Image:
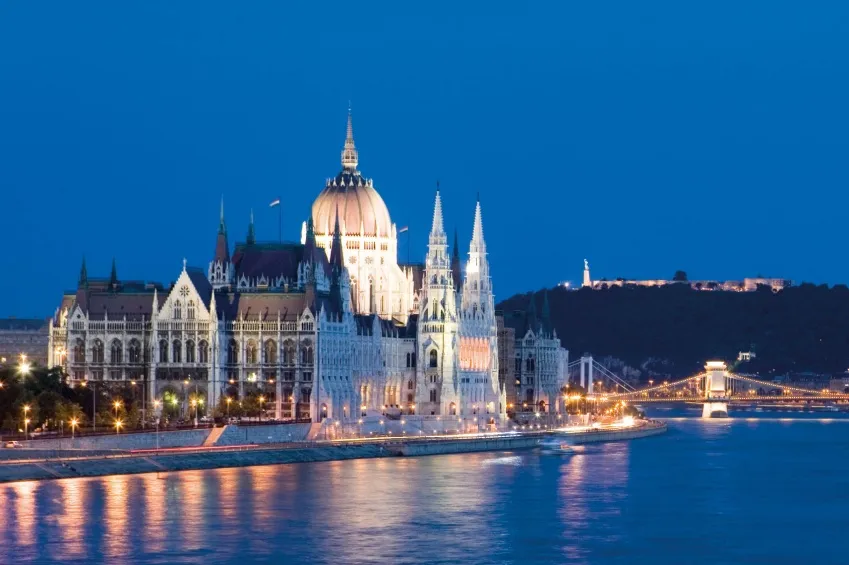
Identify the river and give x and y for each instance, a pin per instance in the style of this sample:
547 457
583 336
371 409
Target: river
760 491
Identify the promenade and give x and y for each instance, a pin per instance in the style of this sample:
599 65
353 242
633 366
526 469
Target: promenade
41 464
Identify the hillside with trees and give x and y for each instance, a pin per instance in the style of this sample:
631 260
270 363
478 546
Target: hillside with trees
672 330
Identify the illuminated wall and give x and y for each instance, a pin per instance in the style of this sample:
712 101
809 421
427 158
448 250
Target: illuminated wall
474 354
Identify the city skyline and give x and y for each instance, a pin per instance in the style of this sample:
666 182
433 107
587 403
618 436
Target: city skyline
645 148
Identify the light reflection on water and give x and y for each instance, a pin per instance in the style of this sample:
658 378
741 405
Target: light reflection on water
651 501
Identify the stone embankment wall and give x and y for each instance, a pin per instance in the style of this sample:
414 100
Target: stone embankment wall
86 464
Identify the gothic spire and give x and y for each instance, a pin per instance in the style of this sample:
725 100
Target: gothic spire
456 270
222 227
336 246
350 158
83 282
113 277
437 227
477 230
251 236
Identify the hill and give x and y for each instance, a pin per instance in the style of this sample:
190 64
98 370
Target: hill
674 329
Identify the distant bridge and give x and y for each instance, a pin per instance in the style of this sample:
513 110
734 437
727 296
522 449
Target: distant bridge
716 386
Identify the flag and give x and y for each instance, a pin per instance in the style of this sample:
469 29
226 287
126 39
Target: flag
275 203
405 228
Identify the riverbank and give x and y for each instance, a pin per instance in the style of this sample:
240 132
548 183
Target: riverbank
80 463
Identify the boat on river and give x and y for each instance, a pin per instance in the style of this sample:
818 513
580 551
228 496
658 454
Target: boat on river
554 446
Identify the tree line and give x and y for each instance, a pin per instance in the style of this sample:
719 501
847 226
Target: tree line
672 330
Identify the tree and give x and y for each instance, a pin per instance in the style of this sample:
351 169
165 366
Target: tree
680 276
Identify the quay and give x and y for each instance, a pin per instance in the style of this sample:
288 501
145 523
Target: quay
41 464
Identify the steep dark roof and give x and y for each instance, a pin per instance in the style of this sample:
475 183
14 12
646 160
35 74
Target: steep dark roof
273 260
134 305
266 305
201 284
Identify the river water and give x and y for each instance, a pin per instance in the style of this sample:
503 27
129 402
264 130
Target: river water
763 491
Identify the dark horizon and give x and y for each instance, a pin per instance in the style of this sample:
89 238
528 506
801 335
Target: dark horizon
646 139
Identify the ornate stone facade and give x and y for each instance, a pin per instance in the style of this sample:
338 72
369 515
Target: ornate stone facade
331 327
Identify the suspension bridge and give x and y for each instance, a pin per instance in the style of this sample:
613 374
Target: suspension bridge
715 388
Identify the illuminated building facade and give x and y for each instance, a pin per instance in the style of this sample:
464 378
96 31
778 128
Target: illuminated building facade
330 327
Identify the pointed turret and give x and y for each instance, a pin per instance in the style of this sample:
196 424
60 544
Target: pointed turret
309 242
456 269
477 232
222 248
350 158
336 261
222 227
113 277
437 228
251 239
83 282
337 269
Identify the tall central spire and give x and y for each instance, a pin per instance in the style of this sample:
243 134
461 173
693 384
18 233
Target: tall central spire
437 227
350 158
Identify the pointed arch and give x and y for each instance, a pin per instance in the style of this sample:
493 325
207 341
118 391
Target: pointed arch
116 352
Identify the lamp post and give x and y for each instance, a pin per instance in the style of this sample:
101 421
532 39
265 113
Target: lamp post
117 405
118 425
194 404
156 405
73 423
261 401
26 420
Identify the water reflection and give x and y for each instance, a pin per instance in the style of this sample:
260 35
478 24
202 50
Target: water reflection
647 501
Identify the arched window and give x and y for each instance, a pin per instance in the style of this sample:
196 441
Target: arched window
178 310
79 351
250 353
176 352
134 351
190 351
433 358
270 351
190 312
97 352
288 352
411 385
116 353
529 363
203 352
232 352
306 353
163 351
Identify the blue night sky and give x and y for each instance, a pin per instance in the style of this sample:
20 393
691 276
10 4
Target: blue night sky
645 136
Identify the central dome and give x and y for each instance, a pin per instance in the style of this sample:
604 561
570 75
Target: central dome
362 211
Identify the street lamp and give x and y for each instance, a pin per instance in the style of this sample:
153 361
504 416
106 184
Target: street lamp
73 423
118 425
156 406
228 401
261 401
117 405
194 404
26 409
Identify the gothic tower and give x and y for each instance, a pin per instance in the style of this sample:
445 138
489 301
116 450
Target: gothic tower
220 270
478 361
437 386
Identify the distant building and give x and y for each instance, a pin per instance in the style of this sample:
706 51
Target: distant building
745 285
506 354
23 336
540 364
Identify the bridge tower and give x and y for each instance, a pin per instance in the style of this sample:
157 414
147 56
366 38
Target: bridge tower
716 390
587 373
